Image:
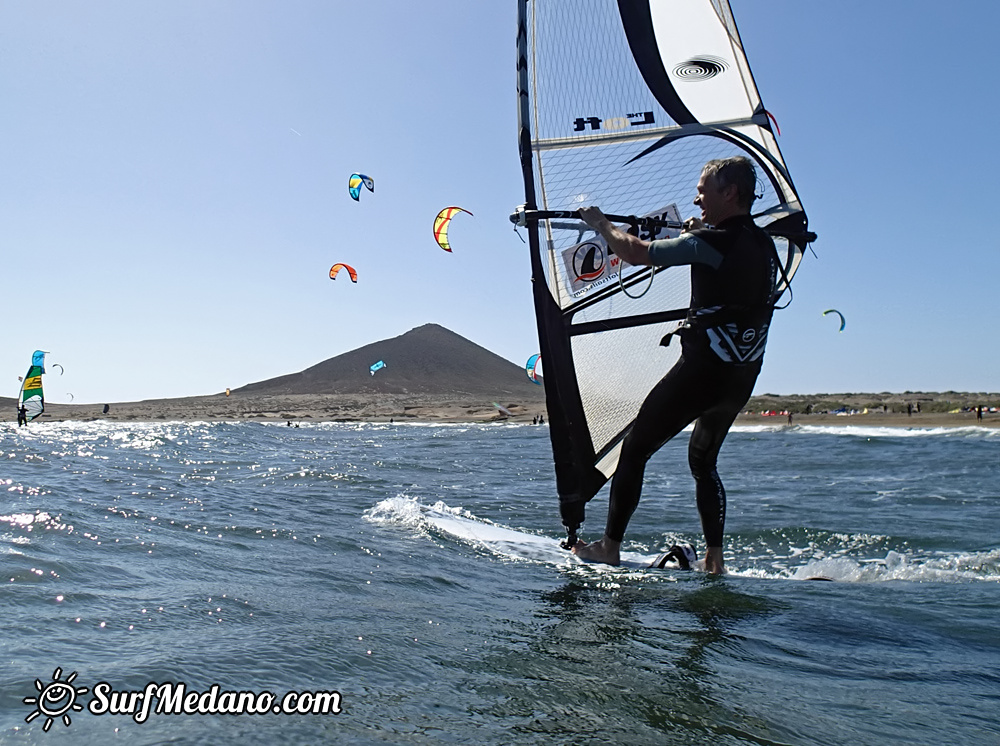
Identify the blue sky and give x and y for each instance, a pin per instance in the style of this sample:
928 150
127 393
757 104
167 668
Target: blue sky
173 188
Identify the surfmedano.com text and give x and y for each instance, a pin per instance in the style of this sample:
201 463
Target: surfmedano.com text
175 699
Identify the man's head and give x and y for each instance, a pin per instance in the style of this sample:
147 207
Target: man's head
726 188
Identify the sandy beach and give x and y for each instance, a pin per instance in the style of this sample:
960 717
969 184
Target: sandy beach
473 408
297 407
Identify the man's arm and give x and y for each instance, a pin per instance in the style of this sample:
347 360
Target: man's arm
685 249
667 252
630 248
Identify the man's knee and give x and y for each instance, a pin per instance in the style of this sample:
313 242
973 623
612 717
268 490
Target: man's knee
702 464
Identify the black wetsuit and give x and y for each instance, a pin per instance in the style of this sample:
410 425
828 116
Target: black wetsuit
734 269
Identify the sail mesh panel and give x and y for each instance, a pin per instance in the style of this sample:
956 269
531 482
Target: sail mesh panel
618 369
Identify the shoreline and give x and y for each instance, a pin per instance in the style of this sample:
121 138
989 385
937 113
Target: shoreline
430 410
925 420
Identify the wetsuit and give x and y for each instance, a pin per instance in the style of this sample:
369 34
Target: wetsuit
734 270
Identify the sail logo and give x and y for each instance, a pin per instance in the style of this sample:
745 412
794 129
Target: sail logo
697 69
589 265
613 123
588 262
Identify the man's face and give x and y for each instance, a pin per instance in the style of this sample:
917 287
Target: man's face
715 203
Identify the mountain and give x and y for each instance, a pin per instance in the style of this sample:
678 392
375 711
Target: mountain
428 360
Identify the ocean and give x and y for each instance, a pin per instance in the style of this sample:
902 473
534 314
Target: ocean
222 570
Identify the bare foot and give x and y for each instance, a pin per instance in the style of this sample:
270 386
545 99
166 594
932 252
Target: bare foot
713 561
604 551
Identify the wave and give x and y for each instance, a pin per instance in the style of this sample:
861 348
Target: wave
873 431
786 554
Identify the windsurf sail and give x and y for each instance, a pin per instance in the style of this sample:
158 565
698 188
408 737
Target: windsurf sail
503 410
32 397
621 105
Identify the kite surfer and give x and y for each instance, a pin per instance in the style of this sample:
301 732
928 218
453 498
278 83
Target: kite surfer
734 274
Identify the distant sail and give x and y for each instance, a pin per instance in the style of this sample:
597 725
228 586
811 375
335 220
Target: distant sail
355 182
621 106
335 269
532 368
441 223
843 321
31 397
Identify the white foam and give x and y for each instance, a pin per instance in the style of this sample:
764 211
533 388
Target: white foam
871 431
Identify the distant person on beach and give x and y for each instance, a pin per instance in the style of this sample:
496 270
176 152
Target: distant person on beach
734 273
909 409
979 413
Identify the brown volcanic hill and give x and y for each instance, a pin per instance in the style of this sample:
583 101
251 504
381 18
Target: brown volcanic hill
429 360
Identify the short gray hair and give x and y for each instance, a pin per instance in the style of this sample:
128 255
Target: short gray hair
738 171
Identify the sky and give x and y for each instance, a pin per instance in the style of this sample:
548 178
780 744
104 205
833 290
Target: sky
173 188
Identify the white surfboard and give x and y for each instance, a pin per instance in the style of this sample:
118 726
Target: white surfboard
513 544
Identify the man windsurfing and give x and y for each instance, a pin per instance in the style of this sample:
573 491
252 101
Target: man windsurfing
734 273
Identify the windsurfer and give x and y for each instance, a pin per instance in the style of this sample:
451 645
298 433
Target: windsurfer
22 416
734 269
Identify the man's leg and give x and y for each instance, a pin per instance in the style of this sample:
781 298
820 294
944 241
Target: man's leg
710 431
671 405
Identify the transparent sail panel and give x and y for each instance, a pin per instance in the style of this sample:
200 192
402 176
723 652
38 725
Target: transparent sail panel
621 367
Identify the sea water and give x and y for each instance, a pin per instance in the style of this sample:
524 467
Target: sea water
265 559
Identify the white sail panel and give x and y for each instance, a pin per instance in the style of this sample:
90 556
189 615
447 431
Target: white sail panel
621 105
704 60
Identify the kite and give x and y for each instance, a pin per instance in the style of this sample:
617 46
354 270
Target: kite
377 366
31 397
355 182
843 322
350 270
534 369
441 223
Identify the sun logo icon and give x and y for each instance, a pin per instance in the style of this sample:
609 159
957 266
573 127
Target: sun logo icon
55 699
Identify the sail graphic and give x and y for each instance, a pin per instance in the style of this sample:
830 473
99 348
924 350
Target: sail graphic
32 398
621 105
